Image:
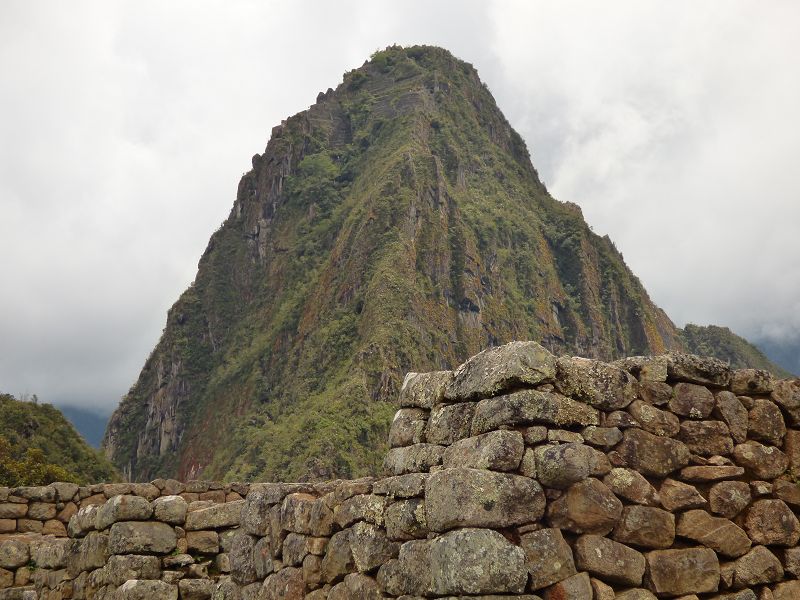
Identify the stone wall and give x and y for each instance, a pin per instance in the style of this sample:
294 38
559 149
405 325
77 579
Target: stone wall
518 475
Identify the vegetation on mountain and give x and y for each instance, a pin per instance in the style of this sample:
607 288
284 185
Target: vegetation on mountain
39 446
396 225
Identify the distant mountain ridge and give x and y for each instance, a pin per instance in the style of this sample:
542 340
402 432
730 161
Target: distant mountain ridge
396 225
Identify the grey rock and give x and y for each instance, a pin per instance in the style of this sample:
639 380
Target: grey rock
609 560
121 568
122 508
548 557
170 509
599 384
418 458
602 437
196 589
242 557
406 520
423 390
144 589
13 553
133 537
496 450
562 465
408 427
401 486
697 369
477 498
450 422
215 517
370 546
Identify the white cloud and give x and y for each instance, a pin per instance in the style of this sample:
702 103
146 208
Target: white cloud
126 127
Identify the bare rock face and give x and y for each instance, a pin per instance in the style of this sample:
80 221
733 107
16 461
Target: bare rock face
599 384
682 571
632 486
651 454
646 527
478 498
496 450
499 369
476 561
562 465
757 567
530 407
765 422
693 401
762 462
587 507
548 557
609 560
772 523
721 535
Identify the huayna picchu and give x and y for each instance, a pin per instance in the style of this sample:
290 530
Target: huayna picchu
396 225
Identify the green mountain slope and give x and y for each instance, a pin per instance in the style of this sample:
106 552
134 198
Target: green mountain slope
27 426
395 225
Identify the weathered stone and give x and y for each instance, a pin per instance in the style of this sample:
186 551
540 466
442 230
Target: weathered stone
693 401
13 553
787 491
286 584
528 465
423 390
242 557
729 498
599 384
370 546
645 368
120 568
577 587
706 438
47 553
408 427
449 423
640 594
410 574
215 517
788 590
587 507
363 507
41 511
791 561
418 458
131 537
772 523
338 560
632 486
406 520
205 542
496 450
651 454
746 382
476 561
170 509
740 595
757 567
697 369
91 552
706 473
563 436
295 549
145 589
529 407
122 508
682 571
535 434
499 369
654 420
786 394
762 462
29 526
401 486
13 511
37 493
195 589
262 558
765 422
356 586
721 535
609 560
602 437
729 409
54 527
8 525
562 465
548 557
619 419
477 498
646 527
601 590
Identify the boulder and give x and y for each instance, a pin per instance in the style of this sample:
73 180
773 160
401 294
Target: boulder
478 498
424 390
693 401
170 509
215 517
587 507
646 527
765 422
772 523
757 567
496 450
562 465
141 537
748 382
122 508
651 454
548 557
449 423
706 438
609 560
596 383
761 462
682 571
698 369
499 369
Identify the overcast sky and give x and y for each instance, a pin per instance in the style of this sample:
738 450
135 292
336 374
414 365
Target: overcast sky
124 129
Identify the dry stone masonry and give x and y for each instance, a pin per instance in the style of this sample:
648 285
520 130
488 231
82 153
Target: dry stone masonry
518 475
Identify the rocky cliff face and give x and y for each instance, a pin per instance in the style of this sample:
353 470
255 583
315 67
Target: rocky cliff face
395 225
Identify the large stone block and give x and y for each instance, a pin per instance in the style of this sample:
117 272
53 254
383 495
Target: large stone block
406 520
243 557
134 537
370 546
170 509
499 369
122 508
424 390
698 369
418 458
765 422
682 571
632 486
476 561
215 517
13 553
729 498
757 567
786 394
449 423
121 568
654 420
609 560
530 407
577 587
706 438
730 409
548 557
408 427
651 454
599 384
587 507
760 461
693 401
145 589
772 523
496 450
646 527
477 498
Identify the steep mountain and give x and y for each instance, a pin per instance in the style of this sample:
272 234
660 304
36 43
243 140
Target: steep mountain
36 441
397 224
